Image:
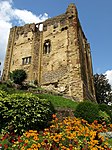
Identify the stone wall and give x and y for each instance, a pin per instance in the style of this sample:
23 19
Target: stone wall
57 57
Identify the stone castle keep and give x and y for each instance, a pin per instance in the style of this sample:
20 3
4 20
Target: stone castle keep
55 53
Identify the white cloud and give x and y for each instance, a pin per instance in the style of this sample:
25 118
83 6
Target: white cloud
109 76
8 15
6 11
4 32
25 16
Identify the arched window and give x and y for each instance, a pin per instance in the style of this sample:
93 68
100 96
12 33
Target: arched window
47 47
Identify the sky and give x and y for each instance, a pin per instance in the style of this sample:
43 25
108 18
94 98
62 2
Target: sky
95 17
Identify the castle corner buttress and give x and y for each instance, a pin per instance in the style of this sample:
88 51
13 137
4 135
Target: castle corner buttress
55 53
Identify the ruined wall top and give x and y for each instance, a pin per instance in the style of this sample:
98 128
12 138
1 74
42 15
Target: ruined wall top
71 12
71 9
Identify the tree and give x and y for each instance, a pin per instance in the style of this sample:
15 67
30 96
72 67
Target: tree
102 88
18 76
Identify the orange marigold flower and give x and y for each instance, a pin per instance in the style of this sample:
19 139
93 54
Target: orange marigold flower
35 138
43 143
26 141
23 148
54 115
95 122
31 131
38 145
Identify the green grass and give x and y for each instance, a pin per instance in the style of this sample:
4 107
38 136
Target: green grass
59 101
110 142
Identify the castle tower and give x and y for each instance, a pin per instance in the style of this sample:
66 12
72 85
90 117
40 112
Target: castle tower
55 53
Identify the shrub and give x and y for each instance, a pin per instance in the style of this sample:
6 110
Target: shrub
9 83
3 87
18 76
3 94
104 117
107 109
22 112
87 110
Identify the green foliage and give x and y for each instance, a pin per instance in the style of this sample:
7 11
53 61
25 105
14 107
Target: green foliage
59 101
104 117
8 89
105 108
18 76
3 87
87 110
21 112
9 84
110 141
102 88
2 94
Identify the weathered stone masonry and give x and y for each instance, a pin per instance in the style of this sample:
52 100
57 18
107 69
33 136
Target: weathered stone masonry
57 56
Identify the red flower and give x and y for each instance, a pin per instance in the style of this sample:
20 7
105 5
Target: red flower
12 141
95 122
76 142
5 136
5 145
19 140
25 144
71 147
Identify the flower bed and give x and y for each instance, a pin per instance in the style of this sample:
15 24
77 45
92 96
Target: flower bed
68 134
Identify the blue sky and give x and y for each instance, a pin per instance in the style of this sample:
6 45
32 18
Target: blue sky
95 17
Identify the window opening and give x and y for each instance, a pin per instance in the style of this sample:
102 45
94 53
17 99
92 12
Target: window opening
41 27
26 60
45 28
47 47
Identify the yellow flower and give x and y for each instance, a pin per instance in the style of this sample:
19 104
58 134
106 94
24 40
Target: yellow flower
60 144
69 130
31 131
35 138
63 147
57 137
70 145
106 143
26 141
34 146
94 148
43 143
38 145
52 126
63 139
23 148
